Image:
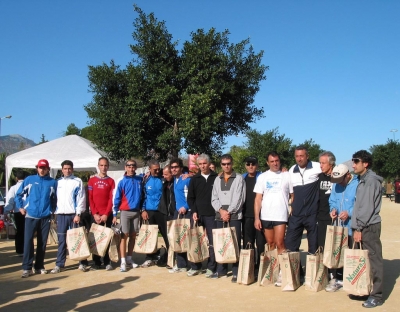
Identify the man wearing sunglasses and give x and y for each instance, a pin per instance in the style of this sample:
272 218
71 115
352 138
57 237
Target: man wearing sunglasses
366 222
127 198
250 233
228 196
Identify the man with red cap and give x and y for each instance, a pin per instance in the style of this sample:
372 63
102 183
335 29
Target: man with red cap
36 199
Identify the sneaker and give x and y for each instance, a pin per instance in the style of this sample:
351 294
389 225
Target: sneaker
26 273
168 267
122 268
175 269
147 263
132 265
372 303
333 286
278 283
109 267
41 271
192 272
56 270
209 273
234 279
216 275
83 268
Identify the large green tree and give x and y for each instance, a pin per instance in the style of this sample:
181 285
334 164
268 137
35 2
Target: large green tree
166 100
72 129
386 160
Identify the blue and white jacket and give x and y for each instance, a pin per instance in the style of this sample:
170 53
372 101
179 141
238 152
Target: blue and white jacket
38 196
128 191
71 196
153 188
181 188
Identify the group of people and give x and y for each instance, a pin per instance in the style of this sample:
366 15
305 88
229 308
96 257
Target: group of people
265 209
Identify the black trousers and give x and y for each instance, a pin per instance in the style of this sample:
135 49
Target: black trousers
295 229
19 235
251 235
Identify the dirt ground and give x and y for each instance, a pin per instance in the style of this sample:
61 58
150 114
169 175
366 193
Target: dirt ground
154 289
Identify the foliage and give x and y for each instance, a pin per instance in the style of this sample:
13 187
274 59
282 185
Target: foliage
386 160
43 139
88 133
72 129
166 100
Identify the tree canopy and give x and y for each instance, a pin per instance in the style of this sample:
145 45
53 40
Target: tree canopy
386 160
167 100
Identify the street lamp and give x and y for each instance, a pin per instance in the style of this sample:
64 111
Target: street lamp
394 133
1 118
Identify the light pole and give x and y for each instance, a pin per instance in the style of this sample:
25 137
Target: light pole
1 118
394 133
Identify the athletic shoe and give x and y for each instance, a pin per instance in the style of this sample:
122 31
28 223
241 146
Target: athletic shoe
109 267
56 270
192 272
216 275
168 267
147 263
278 283
41 271
122 268
234 279
132 265
209 273
26 273
333 286
83 268
372 303
175 269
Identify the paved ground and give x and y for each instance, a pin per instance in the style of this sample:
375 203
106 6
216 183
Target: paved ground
154 289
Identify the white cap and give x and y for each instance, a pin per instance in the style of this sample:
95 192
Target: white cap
338 173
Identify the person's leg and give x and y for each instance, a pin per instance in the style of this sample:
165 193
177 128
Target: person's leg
30 229
96 258
19 235
63 224
260 242
279 237
270 237
310 223
294 233
322 225
222 268
210 224
152 220
106 258
134 228
237 224
42 234
249 232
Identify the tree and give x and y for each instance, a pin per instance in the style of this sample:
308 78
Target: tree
166 100
72 129
43 139
88 133
386 161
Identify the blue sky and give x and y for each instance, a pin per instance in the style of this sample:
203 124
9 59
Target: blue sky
334 65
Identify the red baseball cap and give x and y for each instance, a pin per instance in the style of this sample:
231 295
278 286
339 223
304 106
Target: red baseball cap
43 163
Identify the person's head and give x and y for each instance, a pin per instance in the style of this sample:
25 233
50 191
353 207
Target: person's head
203 161
226 163
167 174
341 175
43 167
176 166
20 175
103 164
67 168
274 161
301 156
251 164
130 167
154 167
362 161
213 167
327 162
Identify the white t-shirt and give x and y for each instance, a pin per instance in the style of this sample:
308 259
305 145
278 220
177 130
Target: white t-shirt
276 188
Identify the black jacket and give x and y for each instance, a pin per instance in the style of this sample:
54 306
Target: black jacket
199 194
167 201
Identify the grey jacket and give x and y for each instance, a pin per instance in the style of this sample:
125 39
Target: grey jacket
229 196
368 201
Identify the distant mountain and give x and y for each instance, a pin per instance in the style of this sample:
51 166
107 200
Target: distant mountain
14 143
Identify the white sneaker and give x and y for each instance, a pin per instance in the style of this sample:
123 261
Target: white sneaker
109 267
333 286
122 268
175 269
147 263
132 265
278 283
83 268
192 272
56 270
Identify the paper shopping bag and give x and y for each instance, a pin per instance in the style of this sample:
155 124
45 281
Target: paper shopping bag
290 268
198 245
268 271
357 278
146 241
226 246
336 241
246 266
77 244
178 234
316 277
99 239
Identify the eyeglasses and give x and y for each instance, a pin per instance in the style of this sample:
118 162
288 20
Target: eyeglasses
356 160
250 164
174 167
226 164
130 165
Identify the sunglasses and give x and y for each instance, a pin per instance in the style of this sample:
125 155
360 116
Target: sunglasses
250 164
356 160
226 164
174 167
130 165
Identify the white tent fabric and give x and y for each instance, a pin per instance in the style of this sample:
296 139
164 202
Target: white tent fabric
80 151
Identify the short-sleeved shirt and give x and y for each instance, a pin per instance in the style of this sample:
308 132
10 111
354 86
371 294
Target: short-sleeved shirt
276 188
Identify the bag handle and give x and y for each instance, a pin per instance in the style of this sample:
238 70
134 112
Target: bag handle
354 244
249 245
223 224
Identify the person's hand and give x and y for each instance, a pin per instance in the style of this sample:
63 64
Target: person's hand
77 219
195 217
344 215
145 215
97 218
182 210
22 211
103 219
284 169
257 224
357 236
333 214
225 216
114 220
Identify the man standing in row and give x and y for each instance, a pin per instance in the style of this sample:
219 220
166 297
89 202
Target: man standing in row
199 200
366 222
71 203
36 199
228 196
100 191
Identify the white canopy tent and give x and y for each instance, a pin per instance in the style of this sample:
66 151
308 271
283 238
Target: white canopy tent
80 151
